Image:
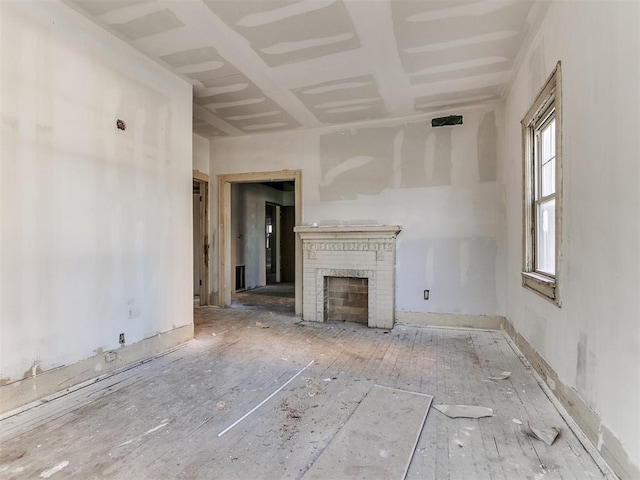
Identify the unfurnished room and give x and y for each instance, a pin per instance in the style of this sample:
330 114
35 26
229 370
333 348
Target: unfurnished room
320 239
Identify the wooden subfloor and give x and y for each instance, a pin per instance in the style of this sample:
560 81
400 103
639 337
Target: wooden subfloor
161 419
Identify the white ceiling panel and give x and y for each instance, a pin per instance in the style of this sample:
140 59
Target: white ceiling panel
263 66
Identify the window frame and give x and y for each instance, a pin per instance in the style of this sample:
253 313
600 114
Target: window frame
547 106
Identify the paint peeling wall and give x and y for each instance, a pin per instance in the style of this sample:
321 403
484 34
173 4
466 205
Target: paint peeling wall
593 341
440 184
95 222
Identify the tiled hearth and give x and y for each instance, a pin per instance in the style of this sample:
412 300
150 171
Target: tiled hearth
366 252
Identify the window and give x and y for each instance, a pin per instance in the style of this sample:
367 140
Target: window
542 135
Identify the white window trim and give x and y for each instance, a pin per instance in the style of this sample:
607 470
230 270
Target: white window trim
545 285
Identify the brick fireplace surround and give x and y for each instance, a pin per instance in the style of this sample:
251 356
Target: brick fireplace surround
353 251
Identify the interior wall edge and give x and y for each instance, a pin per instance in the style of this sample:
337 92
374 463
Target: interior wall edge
606 449
17 395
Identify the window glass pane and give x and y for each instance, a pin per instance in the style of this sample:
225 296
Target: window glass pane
548 180
546 237
548 142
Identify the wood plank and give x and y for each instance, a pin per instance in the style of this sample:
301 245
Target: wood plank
378 440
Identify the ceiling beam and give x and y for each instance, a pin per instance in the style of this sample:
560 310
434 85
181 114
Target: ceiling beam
205 115
374 25
211 30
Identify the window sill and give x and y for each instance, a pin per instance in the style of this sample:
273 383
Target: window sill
543 286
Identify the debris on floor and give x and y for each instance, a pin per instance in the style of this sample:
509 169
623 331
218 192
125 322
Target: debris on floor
214 381
266 399
502 376
261 325
547 435
48 473
464 411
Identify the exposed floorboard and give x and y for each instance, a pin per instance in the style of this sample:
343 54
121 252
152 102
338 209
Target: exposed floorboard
162 418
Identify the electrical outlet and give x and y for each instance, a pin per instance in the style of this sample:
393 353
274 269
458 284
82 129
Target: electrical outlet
426 294
121 339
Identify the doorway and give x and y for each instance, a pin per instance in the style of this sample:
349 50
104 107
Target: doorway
230 233
287 244
200 239
272 242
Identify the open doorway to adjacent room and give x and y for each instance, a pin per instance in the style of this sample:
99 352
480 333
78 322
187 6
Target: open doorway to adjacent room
200 239
259 253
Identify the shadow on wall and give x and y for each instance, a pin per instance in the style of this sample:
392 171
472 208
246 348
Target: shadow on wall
370 160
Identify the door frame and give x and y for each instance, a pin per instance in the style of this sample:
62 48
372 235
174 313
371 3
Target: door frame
224 230
203 264
276 238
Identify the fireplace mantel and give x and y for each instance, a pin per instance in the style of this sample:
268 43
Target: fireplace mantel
351 231
360 251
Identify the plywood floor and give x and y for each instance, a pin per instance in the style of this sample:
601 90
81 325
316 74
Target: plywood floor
161 419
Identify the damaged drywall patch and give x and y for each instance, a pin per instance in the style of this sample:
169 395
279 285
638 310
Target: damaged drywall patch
133 310
585 366
151 24
356 162
441 161
191 57
488 148
367 161
413 155
398 141
581 363
323 28
344 100
33 371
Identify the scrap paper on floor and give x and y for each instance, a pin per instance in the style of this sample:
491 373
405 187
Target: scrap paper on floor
547 435
502 376
464 411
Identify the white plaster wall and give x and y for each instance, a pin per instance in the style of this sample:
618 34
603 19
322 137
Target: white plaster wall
95 223
200 153
248 227
439 184
593 341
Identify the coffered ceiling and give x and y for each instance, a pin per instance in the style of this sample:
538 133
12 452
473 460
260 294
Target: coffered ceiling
263 66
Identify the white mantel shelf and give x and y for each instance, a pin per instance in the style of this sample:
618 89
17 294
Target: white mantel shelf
352 231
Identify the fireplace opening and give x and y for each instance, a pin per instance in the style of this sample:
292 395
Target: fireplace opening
346 299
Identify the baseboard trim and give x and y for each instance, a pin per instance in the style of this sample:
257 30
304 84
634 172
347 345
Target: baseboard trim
602 444
452 320
59 381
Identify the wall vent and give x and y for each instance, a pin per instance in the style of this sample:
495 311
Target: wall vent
447 121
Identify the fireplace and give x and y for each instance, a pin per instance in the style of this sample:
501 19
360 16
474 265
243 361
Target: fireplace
363 254
346 299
